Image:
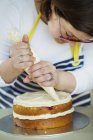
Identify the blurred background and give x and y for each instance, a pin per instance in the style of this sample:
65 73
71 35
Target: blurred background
92 97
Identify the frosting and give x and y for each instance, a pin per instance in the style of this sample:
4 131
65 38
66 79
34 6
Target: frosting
46 116
40 99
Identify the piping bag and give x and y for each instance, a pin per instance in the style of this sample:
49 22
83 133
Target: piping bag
49 90
15 38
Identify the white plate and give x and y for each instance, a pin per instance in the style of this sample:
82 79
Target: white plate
79 121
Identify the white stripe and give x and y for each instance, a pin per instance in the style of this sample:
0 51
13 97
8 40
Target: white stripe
25 86
6 94
10 104
16 88
3 107
67 63
81 102
16 93
80 95
69 69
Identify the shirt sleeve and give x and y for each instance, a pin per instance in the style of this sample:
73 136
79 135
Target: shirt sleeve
16 18
8 23
84 75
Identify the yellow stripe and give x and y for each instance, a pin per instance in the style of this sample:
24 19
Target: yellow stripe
31 33
75 54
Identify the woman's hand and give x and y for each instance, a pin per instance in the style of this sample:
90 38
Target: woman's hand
21 54
43 73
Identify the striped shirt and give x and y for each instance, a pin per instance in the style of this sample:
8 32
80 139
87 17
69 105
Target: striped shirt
21 20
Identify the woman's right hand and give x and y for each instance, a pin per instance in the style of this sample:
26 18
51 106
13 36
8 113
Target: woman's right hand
21 54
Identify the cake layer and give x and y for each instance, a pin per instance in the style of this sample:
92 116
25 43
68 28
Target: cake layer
40 99
45 116
32 111
44 123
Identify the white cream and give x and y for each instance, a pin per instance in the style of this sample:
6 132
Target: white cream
46 116
40 99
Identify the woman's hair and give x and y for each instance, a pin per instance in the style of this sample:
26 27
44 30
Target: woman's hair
79 13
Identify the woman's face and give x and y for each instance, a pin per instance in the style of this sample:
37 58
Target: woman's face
60 27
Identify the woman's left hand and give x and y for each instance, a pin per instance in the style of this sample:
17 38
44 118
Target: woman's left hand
43 73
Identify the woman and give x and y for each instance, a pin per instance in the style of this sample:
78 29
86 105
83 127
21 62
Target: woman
62 65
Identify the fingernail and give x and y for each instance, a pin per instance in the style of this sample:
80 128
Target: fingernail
26 80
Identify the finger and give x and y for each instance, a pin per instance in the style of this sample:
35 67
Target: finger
26 80
26 46
22 45
48 83
25 39
43 78
20 59
25 58
23 65
24 52
39 65
41 72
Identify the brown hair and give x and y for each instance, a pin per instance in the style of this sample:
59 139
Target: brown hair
79 13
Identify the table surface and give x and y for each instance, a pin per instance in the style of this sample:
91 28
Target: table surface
85 133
